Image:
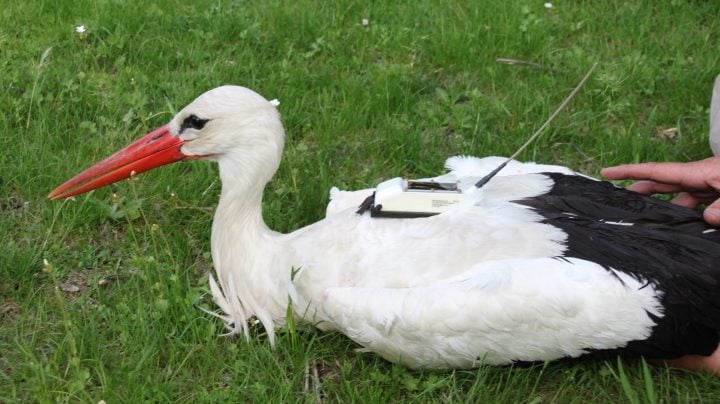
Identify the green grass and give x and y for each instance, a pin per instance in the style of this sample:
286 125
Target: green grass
360 104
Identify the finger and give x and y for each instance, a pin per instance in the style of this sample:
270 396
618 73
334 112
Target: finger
712 213
636 171
686 200
705 197
669 173
652 187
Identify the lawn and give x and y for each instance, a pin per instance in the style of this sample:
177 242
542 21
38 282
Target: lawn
100 295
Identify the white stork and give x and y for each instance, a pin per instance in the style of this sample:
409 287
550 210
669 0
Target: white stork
532 267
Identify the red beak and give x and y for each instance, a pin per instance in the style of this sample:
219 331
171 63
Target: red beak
155 149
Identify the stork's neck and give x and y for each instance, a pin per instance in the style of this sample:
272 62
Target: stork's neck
247 255
240 199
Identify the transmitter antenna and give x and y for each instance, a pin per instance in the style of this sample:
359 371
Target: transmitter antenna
484 180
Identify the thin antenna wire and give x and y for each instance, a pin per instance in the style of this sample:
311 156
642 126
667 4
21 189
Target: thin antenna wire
537 133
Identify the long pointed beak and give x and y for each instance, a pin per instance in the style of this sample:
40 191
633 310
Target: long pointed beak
155 149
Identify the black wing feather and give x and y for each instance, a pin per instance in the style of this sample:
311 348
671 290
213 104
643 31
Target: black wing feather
668 246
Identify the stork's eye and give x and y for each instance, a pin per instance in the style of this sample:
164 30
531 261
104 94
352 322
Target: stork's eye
193 122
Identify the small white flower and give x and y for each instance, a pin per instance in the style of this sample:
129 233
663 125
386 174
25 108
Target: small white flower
275 102
548 5
365 22
47 267
80 29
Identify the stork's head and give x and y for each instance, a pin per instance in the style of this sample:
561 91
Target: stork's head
232 125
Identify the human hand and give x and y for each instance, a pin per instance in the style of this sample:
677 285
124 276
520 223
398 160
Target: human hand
695 182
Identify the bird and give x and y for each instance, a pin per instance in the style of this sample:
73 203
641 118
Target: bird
540 264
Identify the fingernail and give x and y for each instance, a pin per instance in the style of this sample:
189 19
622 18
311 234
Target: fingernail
712 216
